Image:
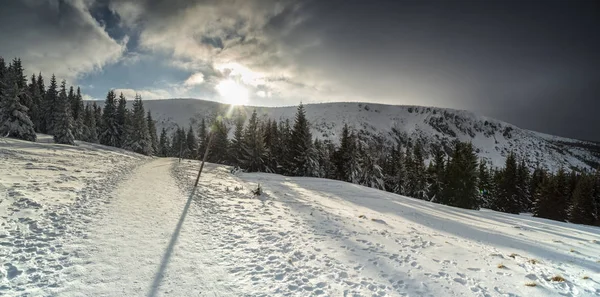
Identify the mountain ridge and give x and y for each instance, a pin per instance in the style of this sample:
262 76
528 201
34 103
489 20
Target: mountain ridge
406 124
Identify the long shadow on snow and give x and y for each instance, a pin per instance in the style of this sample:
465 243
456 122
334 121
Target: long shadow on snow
169 250
427 214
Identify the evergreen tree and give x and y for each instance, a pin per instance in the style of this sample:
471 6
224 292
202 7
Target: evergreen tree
62 119
50 105
523 187
583 209
371 173
89 125
271 139
342 155
551 200
36 101
110 128
163 144
191 144
300 144
139 141
460 185
177 142
98 115
253 154
237 149
507 198
152 131
39 121
220 143
202 138
417 181
436 174
122 122
535 183
284 151
78 114
14 121
485 184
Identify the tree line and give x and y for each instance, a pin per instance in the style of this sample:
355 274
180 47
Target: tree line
27 108
447 175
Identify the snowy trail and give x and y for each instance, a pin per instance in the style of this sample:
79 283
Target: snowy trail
149 243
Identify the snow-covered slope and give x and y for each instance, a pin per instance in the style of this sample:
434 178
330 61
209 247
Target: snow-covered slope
492 138
97 221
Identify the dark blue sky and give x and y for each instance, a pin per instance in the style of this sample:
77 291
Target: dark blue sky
531 63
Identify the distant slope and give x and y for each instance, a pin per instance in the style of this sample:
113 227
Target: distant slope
493 139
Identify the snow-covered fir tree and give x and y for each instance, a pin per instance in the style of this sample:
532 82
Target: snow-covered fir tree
139 140
122 121
163 144
50 105
254 153
14 121
191 147
152 131
63 121
109 134
89 125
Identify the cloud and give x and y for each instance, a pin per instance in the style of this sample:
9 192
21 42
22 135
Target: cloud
58 37
194 79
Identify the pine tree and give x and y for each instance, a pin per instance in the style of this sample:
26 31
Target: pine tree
551 200
36 102
62 119
253 154
220 143
109 134
583 209
50 105
177 142
271 139
460 182
237 149
89 125
507 197
139 141
39 121
523 187
535 183
300 144
191 144
485 184
122 122
436 174
202 140
342 156
14 121
418 179
371 173
98 115
163 144
152 131
78 114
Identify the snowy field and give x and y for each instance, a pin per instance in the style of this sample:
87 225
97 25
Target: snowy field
91 221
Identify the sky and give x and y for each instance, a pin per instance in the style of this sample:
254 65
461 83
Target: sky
535 64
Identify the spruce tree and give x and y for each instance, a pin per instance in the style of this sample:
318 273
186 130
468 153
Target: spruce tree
342 156
62 119
40 121
36 101
122 122
583 209
202 140
419 179
152 131
98 116
109 134
78 114
50 105
191 144
139 141
220 143
436 174
163 144
551 200
485 184
302 161
271 139
523 187
460 185
89 125
507 198
253 154
237 148
14 121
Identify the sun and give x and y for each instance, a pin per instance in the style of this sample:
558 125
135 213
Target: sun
232 92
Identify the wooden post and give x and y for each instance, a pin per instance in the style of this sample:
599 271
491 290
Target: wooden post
210 137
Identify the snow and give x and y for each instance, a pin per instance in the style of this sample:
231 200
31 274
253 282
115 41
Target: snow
132 226
414 122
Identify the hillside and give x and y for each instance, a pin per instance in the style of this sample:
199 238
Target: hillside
92 220
493 139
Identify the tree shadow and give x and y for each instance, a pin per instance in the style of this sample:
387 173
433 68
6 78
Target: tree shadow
158 277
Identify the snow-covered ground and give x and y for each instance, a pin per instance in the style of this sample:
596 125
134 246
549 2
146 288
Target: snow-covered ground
134 227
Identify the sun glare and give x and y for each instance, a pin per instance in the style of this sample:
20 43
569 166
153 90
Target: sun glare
232 92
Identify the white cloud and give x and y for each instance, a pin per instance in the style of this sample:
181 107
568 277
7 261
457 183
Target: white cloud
194 79
61 38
